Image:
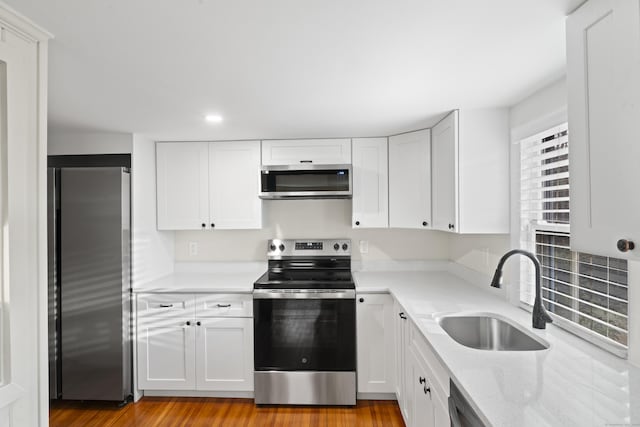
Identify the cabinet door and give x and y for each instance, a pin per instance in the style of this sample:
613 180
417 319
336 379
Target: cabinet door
419 400
224 354
316 151
603 75
444 173
376 357
370 183
166 358
401 341
234 182
410 180
182 171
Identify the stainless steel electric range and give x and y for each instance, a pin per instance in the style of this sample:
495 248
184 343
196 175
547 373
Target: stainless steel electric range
305 324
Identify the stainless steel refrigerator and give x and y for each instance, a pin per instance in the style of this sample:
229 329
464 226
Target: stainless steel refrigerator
89 283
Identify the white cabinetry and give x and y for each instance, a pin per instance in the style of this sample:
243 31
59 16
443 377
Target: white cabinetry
419 399
195 342
316 151
375 334
603 77
182 185
234 183
204 185
370 183
401 334
470 171
410 180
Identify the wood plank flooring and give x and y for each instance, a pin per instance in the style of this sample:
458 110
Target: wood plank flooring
210 412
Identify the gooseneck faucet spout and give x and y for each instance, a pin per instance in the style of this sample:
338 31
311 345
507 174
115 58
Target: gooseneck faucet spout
540 317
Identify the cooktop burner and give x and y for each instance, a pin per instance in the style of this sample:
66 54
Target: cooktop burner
308 264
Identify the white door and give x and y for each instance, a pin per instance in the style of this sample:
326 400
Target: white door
224 354
410 180
444 173
376 356
234 183
603 75
333 151
401 343
420 401
182 170
370 204
166 353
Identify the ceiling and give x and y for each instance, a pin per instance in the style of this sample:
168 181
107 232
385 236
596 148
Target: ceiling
291 68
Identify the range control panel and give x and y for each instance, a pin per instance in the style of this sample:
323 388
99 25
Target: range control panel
313 247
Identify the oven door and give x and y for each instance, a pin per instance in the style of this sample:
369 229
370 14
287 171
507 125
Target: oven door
305 181
304 330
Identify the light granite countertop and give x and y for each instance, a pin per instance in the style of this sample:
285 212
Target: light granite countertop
573 383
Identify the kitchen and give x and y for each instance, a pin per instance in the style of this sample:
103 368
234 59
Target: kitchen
436 241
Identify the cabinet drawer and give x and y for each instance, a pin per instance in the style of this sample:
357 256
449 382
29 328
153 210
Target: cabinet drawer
440 376
224 305
165 305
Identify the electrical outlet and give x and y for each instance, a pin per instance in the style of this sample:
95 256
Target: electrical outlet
193 248
364 246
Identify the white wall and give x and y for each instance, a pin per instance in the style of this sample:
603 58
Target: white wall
311 219
71 142
152 250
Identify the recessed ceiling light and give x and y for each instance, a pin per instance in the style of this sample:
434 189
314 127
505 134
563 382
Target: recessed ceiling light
213 118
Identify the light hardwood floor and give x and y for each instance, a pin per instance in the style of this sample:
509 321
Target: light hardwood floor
209 412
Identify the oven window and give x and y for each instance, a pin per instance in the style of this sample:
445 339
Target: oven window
313 180
304 335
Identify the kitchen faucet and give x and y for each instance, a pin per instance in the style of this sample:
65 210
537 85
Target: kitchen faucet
540 317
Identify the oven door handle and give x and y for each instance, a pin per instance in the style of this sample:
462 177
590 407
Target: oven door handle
304 294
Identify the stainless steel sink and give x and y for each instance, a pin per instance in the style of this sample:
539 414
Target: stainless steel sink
490 332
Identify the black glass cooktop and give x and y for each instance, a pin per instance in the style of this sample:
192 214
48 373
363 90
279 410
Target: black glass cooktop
306 274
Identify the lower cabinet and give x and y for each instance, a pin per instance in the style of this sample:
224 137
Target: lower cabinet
196 351
422 384
375 332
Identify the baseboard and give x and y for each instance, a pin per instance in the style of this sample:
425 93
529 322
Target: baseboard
199 393
376 396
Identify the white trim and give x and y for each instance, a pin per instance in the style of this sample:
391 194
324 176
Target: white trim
10 393
197 393
22 25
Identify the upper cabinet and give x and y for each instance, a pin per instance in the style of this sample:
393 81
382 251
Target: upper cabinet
204 185
182 173
299 151
370 208
410 180
603 77
234 182
470 171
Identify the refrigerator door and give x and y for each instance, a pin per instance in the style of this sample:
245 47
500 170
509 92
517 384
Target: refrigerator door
95 283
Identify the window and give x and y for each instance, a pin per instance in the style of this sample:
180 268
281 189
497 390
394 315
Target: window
586 293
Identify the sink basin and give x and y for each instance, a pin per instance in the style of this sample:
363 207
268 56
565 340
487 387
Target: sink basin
490 332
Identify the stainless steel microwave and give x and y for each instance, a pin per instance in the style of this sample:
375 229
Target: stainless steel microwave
306 181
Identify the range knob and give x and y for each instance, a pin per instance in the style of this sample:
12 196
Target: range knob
345 246
281 247
336 246
272 247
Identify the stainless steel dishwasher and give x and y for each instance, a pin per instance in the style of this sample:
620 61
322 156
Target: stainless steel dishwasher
461 413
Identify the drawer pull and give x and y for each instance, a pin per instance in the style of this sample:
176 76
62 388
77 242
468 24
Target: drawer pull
422 380
224 305
166 305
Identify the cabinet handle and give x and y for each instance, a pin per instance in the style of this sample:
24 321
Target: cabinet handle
188 323
425 223
213 225
166 305
204 225
306 161
198 323
451 226
361 300
357 222
427 390
224 305
422 380
625 245
402 316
